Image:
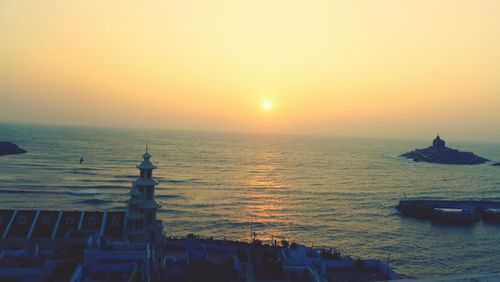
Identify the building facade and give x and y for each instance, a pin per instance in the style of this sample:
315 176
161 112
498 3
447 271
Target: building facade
142 224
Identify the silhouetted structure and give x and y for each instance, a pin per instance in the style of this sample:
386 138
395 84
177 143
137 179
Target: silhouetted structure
438 143
8 148
142 225
439 153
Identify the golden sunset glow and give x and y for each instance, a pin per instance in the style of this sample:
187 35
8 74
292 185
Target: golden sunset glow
267 105
364 68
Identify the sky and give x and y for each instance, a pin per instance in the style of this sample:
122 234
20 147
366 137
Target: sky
386 68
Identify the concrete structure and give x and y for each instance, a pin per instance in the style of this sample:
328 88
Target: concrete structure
142 225
116 261
105 273
303 262
46 225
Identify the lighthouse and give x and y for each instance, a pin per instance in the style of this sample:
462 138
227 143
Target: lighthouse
142 225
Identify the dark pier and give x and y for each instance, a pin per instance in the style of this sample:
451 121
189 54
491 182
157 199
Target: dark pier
430 208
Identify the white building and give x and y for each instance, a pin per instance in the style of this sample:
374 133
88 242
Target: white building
142 225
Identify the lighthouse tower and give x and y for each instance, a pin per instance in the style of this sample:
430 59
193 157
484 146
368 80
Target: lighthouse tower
142 225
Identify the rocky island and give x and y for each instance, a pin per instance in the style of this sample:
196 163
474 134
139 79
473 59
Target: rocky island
8 148
439 153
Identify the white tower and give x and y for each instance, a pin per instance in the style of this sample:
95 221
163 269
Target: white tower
142 225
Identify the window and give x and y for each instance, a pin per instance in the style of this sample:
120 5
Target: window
69 220
150 216
1 220
114 221
22 220
150 173
91 221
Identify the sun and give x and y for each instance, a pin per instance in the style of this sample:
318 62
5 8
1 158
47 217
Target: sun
267 104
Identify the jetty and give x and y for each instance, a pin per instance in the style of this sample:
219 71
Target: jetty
459 211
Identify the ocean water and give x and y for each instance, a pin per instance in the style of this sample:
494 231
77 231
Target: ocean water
320 191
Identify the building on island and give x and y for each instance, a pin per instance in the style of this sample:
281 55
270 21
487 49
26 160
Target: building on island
439 153
438 143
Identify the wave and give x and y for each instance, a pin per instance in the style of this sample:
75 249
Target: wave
86 169
175 180
170 211
78 192
11 191
83 172
94 202
126 176
96 180
128 180
113 181
158 178
167 196
201 206
83 193
106 187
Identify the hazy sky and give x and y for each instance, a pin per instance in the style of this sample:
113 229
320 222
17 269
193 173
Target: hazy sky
395 68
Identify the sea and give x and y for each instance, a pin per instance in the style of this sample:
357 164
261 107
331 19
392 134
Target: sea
318 191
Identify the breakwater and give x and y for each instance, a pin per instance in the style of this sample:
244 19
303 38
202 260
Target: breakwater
424 208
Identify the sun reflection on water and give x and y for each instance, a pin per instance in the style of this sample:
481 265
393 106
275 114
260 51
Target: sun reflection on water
266 199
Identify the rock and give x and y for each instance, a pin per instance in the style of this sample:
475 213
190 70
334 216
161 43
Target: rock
439 153
496 164
7 148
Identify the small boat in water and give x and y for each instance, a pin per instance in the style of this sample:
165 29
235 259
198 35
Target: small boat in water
454 215
492 215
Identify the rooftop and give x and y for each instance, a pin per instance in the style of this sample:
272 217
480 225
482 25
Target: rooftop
108 272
